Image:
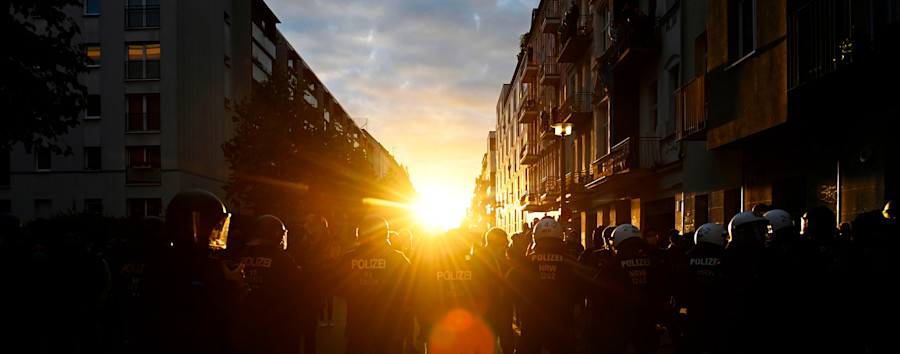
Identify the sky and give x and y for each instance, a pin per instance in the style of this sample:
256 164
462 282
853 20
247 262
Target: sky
422 76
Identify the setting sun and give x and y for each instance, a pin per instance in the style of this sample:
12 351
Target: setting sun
440 207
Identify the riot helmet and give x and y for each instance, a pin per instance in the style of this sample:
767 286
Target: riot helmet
818 221
624 232
779 219
749 228
270 231
372 229
711 233
548 228
496 237
197 218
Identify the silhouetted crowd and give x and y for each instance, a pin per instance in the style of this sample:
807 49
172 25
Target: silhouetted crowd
203 281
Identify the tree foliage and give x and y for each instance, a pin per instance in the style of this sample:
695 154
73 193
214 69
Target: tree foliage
42 96
286 161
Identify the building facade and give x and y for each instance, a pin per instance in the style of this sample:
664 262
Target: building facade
687 112
162 89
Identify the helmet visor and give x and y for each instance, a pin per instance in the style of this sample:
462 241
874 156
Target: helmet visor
218 235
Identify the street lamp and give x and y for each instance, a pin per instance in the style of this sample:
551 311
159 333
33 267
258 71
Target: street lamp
562 130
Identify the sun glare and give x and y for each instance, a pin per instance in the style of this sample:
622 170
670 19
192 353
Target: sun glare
440 208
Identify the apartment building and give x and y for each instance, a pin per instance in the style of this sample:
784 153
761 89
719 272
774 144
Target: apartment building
685 112
162 90
480 214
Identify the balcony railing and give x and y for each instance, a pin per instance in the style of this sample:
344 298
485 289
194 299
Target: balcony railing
578 180
140 122
575 40
648 153
527 108
549 188
635 44
142 70
618 160
690 108
142 175
529 65
820 39
550 14
577 108
550 71
528 152
142 16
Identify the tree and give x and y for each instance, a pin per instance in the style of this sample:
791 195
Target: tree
42 95
287 162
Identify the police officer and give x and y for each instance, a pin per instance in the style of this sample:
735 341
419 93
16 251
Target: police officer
700 291
129 262
547 291
500 307
195 294
376 284
601 328
642 297
744 268
454 289
275 298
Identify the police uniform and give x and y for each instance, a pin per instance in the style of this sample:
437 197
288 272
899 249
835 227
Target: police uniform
275 299
640 278
454 289
547 289
375 283
701 294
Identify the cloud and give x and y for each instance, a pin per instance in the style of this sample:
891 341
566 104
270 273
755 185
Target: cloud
426 74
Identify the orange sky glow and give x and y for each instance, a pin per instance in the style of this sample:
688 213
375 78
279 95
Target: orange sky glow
423 77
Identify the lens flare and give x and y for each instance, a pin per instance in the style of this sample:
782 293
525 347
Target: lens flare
461 332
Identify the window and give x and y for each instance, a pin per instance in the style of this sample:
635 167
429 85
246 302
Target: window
143 165
42 158
143 112
143 61
742 28
140 207
93 206
92 7
142 14
93 107
92 158
93 54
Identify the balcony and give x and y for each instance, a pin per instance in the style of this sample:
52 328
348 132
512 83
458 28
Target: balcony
577 183
142 70
820 39
529 67
549 189
690 109
527 108
648 153
142 174
547 133
531 202
551 19
617 161
576 40
146 16
528 152
550 71
637 45
576 109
